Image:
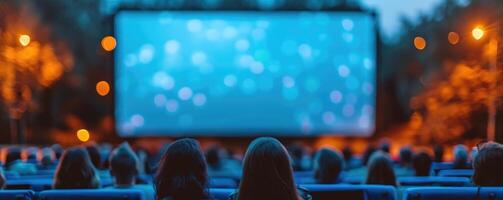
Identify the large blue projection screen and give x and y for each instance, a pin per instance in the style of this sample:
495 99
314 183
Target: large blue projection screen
223 73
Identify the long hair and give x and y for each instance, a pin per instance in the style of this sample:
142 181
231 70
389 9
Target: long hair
182 172
267 172
76 171
327 166
380 170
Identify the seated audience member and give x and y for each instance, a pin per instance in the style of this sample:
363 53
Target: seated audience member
439 153
29 155
350 161
380 170
328 165
13 162
58 150
297 152
182 172
368 152
267 173
76 171
218 166
405 167
422 164
488 164
124 168
385 145
2 179
460 157
47 159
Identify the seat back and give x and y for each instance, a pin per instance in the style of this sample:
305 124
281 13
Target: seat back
343 191
17 194
93 194
221 193
459 193
36 185
434 181
468 173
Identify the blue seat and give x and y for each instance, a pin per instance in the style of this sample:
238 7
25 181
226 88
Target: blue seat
456 173
302 174
11 175
434 181
221 193
458 193
342 191
36 185
437 166
218 182
16 194
354 180
93 194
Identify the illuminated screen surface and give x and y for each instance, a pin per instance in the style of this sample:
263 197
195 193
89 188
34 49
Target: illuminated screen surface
231 73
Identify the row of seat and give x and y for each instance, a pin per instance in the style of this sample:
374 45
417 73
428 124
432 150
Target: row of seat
319 192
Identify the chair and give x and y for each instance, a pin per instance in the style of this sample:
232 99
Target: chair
11 175
459 193
36 185
355 180
437 166
434 181
468 173
93 194
17 194
342 191
303 174
221 193
222 182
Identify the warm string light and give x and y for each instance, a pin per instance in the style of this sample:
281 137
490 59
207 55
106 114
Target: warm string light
24 40
453 38
478 33
102 88
83 135
419 43
108 43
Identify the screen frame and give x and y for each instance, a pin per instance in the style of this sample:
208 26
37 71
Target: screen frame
252 133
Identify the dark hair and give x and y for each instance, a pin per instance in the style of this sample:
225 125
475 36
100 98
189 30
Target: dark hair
2 179
182 172
267 172
328 165
406 156
213 157
380 170
422 164
124 165
347 153
94 153
13 154
366 155
460 157
487 165
439 153
75 171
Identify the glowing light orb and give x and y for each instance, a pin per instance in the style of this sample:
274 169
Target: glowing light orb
108 43
83 135
419 43
478 33
24 40
102 88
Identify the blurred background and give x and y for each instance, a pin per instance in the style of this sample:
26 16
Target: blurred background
438 69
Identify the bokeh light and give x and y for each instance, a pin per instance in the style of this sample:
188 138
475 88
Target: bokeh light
102 88
24 40
108 43
453 38
419 43
83 135
478 33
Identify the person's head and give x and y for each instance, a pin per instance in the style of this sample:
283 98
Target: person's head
487 165
95 155
406 156
267 172
58 150
13 154
47 157
385 145
422 164
460 156
368 152
124 165
29 154
380 170
213 157
347 153
75 171
439 153
182 172
296 152
328 164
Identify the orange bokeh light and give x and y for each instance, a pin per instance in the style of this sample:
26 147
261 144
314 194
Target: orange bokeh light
419 43
102 88
24 40
453 38
83 135
478 33
108 43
